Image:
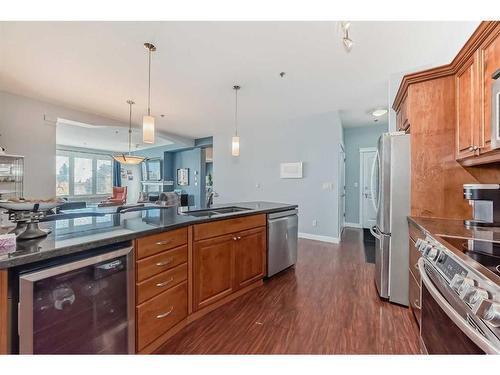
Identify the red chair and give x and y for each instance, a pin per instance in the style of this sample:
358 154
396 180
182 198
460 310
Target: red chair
119 197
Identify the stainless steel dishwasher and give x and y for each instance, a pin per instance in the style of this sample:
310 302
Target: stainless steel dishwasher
281 241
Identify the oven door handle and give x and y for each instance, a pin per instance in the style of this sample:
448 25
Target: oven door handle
456 318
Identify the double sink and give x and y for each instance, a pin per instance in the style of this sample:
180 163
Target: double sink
216 211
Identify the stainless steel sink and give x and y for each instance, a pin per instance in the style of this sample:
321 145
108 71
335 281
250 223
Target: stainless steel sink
216 211
227 210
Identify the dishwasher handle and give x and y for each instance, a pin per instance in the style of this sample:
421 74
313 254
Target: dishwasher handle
278 215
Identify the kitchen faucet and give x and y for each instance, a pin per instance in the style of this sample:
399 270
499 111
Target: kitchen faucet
210 198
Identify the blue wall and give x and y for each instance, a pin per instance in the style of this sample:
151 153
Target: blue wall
354 139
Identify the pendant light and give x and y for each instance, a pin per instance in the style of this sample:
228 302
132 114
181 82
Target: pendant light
348 43
129 158
235 144
148 121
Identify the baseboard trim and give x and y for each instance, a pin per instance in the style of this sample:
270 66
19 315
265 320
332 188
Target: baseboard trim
353 225
317 237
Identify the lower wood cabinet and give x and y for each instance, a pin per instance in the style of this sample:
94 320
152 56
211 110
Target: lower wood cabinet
179 273
225 264
250 257
156 316
213 270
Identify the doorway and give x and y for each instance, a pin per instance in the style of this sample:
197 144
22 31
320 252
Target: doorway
341 190
367 212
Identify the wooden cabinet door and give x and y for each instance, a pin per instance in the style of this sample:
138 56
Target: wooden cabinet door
250 257
490 62
467 109
213 272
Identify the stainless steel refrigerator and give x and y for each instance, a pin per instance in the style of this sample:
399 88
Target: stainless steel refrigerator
390 185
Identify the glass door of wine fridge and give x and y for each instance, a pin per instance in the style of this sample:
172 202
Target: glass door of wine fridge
80 307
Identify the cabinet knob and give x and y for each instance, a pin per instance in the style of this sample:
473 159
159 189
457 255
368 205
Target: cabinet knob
471 148
476 148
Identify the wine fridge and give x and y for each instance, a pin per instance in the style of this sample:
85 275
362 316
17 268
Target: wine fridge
85 306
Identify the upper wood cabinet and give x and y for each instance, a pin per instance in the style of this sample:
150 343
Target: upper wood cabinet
489 56
467 108
402 118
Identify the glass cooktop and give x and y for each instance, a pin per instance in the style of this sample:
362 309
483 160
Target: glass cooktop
484 252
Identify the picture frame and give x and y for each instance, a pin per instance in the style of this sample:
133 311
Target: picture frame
183 176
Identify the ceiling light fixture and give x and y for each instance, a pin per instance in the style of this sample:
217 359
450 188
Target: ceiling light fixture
148 121
235 143
348 43
129 158
379 112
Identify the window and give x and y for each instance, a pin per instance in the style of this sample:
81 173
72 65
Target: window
80 174
62 175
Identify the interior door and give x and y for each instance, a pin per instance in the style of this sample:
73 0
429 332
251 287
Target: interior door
368 213
341 189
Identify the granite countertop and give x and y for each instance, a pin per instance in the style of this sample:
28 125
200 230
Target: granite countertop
70 236
437 228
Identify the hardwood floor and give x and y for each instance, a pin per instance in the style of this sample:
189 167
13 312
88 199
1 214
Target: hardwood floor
328 304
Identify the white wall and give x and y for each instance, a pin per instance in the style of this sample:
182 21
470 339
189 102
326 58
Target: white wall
264 145
24 131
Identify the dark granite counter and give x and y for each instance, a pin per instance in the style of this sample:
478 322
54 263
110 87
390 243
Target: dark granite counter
71 236
439 229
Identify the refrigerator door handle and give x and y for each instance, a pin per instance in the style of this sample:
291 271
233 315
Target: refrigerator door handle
375 202
373 231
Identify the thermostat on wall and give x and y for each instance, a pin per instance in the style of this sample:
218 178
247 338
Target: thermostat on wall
291 170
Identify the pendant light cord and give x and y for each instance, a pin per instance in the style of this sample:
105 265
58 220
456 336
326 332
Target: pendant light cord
149 83
236 111
130 129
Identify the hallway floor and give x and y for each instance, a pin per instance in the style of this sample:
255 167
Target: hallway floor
328 304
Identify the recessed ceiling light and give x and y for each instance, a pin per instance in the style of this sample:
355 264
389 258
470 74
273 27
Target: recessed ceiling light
379 112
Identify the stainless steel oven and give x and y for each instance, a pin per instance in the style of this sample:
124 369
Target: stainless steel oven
495 110
83 306
460 307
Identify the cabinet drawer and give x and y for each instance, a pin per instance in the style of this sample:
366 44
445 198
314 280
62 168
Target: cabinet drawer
415 297
414 257
155 264
161 282
159 314
222 227
150 245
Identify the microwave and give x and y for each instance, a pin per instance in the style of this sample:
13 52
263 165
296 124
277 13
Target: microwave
495 110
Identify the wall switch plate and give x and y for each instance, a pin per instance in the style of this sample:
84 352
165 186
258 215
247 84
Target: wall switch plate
356 184
315 223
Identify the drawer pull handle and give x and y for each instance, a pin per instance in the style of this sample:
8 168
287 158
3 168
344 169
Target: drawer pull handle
417 305
164 315
159 285
164 242
165 263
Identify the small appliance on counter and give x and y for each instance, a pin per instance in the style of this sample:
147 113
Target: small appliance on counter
485 202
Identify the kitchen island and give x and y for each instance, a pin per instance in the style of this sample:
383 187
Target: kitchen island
185 265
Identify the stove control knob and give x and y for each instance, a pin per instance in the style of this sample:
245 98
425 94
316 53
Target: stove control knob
432 253
418 243
466 289
456 282
475 295
489 311
441 257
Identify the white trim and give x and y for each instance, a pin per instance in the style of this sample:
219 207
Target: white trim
361 171
317 237
353 225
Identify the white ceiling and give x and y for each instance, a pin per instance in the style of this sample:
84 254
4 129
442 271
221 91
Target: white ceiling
96 66
107 138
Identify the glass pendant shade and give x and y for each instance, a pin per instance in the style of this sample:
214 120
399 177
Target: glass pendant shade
235 146
148 129
128 159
